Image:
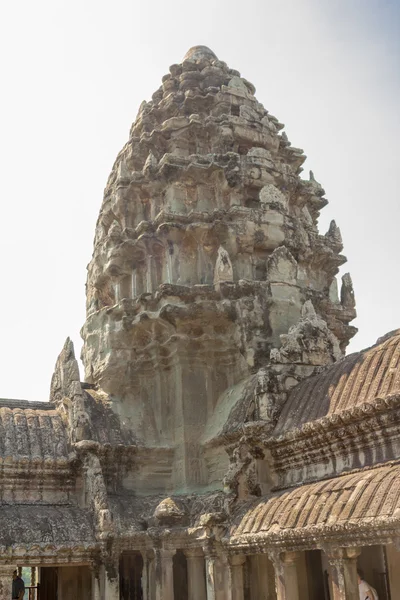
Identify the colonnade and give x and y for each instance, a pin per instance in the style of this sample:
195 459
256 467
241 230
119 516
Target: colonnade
220 576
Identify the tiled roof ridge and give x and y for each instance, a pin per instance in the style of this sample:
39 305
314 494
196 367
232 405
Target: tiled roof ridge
329 422
25 404
336 476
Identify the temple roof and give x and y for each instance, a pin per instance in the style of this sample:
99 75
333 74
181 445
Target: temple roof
16 403
368 498
27 433
359 378
44 524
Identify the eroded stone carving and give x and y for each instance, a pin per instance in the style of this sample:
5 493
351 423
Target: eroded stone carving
214 362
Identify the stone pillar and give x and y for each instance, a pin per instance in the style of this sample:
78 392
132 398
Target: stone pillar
210 576
262 577
110 577
150 275
216 576
286 580
343 568
164 574
6 573
197 589
148 579
236 563
96 588
393 562
33 576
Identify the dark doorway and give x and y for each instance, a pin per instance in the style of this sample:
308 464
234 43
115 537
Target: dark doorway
180 576
130 576
317 587
48 583
373 563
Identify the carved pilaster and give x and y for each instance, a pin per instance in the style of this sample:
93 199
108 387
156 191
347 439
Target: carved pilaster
343 567
110 576
286 577
236 563
96 586
163 572
6 573
216 575
148 577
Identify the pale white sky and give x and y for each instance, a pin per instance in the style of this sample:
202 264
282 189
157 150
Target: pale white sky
73 75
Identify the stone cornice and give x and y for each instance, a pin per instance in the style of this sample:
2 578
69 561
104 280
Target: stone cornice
118 451
49 554
378 531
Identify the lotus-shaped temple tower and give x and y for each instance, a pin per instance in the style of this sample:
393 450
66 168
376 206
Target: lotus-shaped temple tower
206 252
221 447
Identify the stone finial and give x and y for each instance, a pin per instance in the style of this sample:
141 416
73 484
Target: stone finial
333 234
199 52
151 163
308 310
317 187
223 267
309 342
67 394
347 298
285 140
167 512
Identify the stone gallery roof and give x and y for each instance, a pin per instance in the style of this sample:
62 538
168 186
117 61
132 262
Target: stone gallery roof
31 433
369 498
359 378
43 524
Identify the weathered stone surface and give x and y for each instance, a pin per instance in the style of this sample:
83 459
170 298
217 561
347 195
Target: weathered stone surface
206 249
218 416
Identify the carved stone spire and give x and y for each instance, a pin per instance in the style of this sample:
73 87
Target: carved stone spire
206 249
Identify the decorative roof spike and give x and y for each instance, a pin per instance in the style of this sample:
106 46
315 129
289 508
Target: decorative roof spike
347 298
151 163
308 310
334 235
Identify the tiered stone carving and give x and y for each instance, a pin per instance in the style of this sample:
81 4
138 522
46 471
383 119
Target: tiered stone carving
206 250
221 446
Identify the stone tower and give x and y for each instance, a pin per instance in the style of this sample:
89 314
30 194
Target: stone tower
211 292
218 449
